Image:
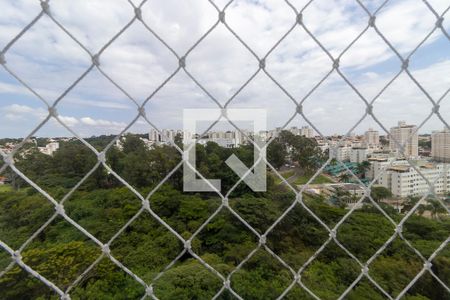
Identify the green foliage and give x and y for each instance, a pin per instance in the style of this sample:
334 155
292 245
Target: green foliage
102 206
301 150
147 247
379 193
189 280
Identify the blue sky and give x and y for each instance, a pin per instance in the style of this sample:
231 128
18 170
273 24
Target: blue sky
49 61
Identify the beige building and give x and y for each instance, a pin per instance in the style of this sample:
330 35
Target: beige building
440 145
306 131
359 154
371 138
50 148
340 153
403 180
407 136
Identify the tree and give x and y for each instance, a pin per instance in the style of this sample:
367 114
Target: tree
342 197
363 167
276 154
133 144
435 208
379 193
301 150
411 202
60 252
344 177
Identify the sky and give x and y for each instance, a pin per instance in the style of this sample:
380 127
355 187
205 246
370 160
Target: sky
49 61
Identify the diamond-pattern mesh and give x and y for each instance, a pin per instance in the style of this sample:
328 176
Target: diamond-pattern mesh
297 21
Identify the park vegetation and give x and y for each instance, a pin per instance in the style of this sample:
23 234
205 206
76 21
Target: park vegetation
102 204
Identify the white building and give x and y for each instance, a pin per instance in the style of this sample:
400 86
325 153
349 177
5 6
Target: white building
154 135
340 153
403 180
440 145
226 139
164 136
359 154
371 138
407 136
50 148
306 131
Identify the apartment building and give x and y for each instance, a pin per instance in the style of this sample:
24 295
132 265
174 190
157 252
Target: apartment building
371 138
307 132
407 136
359 154
440 145
403 180
166 135
341 153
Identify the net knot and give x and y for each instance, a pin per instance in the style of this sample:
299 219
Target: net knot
45 7
96 60
53 111
262 63
106 250
222 16
101 157
9 160
299 18
299 109
436 108
2 59
405 64
439 22
399 228
262 240
365 270
369 109
182 62
223 112
138 13
141 111
333 234
427 265
225 202
372 21
17 256
336 63
146 204
149 291
60 209
227 284
188 245
65 297
432 190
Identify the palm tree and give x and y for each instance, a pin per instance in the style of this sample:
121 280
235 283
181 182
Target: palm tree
345 177
363 167
410 202
435 208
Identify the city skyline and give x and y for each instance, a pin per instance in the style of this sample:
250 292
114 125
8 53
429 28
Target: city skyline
229 128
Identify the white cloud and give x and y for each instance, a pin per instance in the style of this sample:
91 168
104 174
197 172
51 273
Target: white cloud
139 63
101 123
69 121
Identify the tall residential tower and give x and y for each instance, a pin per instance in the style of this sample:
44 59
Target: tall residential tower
407 136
